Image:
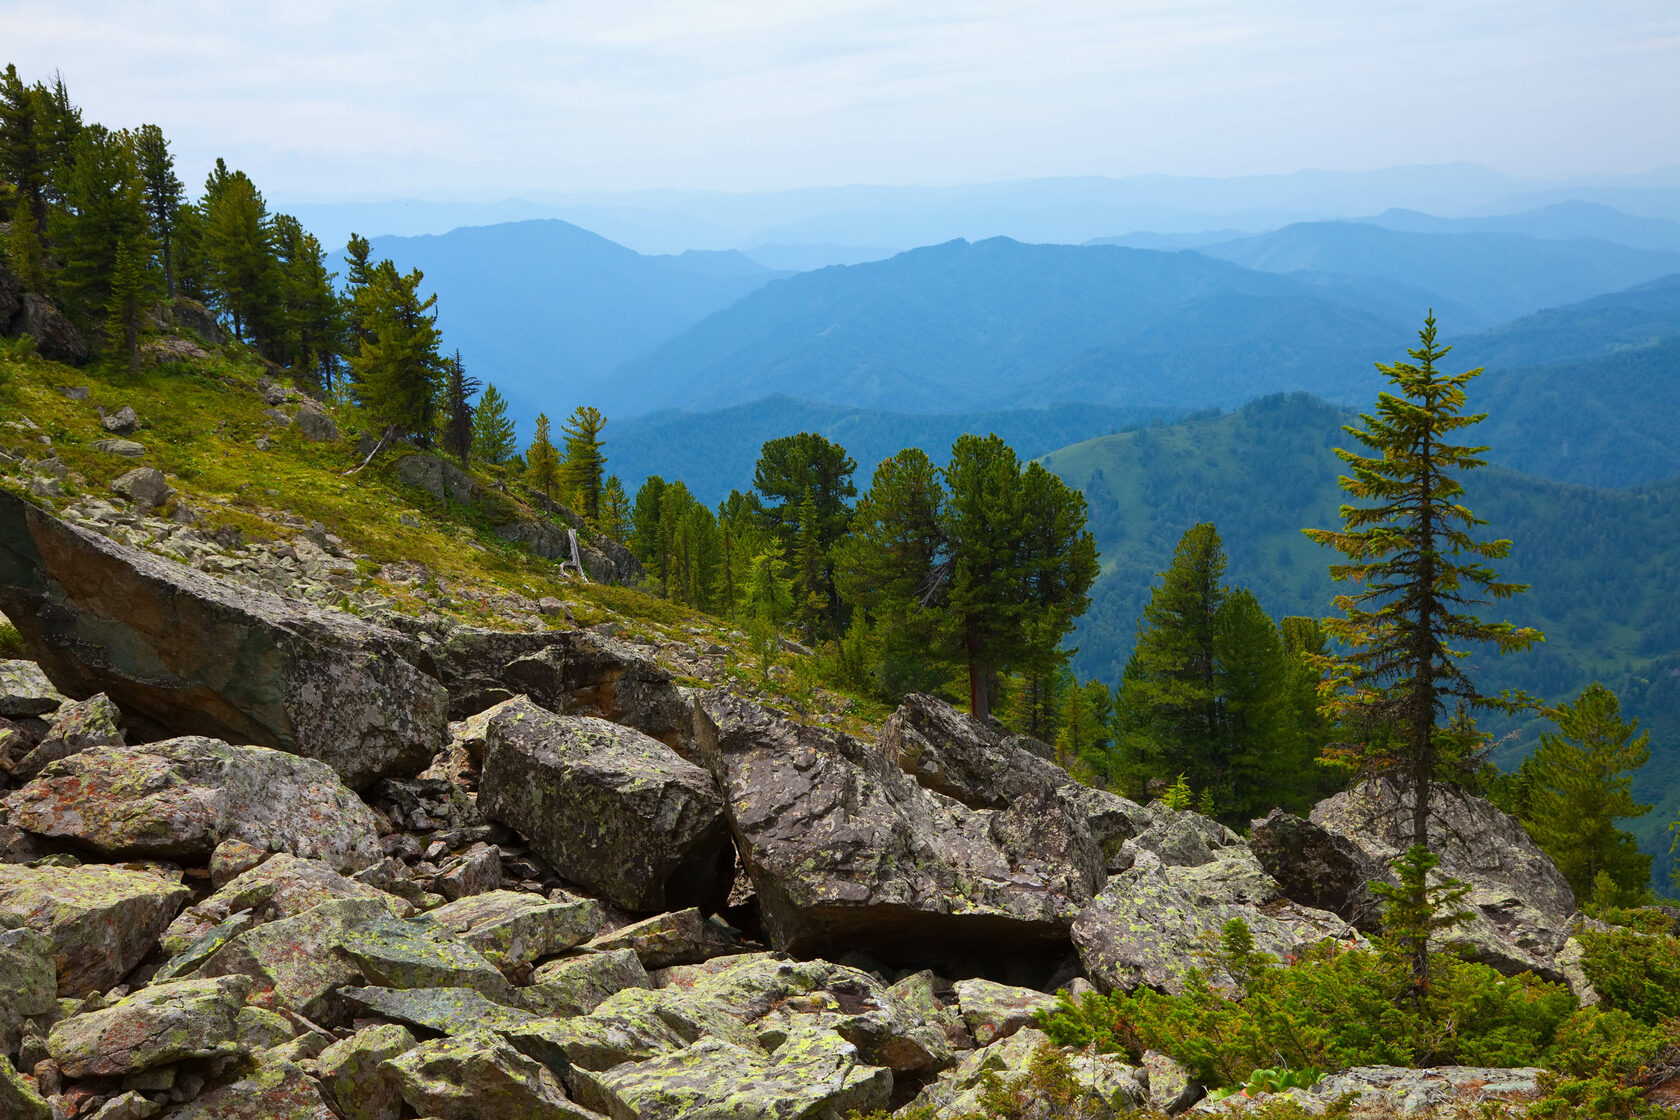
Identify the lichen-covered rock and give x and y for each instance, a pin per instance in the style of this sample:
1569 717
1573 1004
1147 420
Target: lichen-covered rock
157 1025
351 1072
628 1026
1171 1088
577 985
846 851
611 809
570 672
132 1105
294 963
993 1011
78 725
449 1011
271 1089
813 1075
1153 923
146 487
56 337
512 928
179 798
102 920
25 690
187 652
953 753
20 1099
1318 868
673 938
473 1077
231 859
475 871
28 982
282 886
935 1000
437 476
1387 1091
1522 903
419 954
956 1092
260 1029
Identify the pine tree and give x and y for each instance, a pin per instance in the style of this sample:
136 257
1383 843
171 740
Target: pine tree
26 144
786 469
398 371
239 248
131 288
164 192
458 410
542 461
493 437
615 509
1420 576
585 465
1582 785
103 207
811 566
26 253
308 324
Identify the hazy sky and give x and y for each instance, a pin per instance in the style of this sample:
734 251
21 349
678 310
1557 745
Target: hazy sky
379 99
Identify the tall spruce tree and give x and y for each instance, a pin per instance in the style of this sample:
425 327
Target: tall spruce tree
309 321
493 437
1421 579
131 290
103 207
458 410
542 461
585 466
164 194
239 248
786 469
1581 786
615 509
398 370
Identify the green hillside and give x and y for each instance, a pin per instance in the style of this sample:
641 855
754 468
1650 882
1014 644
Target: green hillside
1602 563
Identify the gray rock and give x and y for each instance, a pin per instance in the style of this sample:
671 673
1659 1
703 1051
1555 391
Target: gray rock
273 1088
121 422
446 1010
195 317
28 982
604 560
19 1099
25 690
179 798
675 938
994 1011
102 920
512 928
78 725
1171 1088
56 338
316 426
11 299
1318 868
577 985
953 753
611 809
846 851
1386 1091
157 1025
351 1072
189 653
439 477
280 887
144 486
476 871
127 448
477 1076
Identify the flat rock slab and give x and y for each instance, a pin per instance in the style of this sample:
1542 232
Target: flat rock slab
157 1025
674 938
282 886
190 653
448 1011
179 798
613 810
26 691
513 928
350 1071
577 985
102 920
478 1076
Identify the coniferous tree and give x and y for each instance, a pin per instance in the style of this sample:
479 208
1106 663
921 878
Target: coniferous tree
164 193
103 207
1421 576
458 410
493 437
1582 785
358 275
398 370
309 322
239 250
27 144
542 461
615 509
131 289
27 254
786 469
585 464
646 520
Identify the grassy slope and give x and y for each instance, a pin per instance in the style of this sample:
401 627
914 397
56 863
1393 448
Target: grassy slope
201 422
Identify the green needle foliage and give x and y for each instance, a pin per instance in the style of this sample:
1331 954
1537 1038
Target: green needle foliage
542 461
493 438
583 473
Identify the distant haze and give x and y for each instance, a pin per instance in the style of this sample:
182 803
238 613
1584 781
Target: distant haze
511 98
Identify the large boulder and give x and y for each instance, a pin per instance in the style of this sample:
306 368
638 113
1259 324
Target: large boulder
180 798
846 851
439 477
56 338
1521 905
471 1077
271 1088
102 920
611 809
351 1071
673 938
156 1026
26 691
1319 868
577 985
78 725
512 928
193 655
604 560
280 887
569 672
28 982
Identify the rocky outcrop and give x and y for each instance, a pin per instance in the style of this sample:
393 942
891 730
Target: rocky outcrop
78 725
190 654
604 560
56 338
1319 868
846 851
180 798
612 810
438 477
102 920
1521 904
159 1025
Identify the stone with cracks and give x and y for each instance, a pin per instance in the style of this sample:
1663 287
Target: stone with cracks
813 1075
351 1072
628 1026
102 920
1153 923
179 798
183 651
56 338
475 871
993 1011
472 1077
513 928
121 422
610 808
1522 905
159 1024
846 851
19 1099
450 1011
1318 868
28 982
934 999
272 1089
78 725
569 672
437 476
282 886
144 486
25 690
577 985
677 937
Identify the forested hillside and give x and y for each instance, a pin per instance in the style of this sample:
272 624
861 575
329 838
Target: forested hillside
1602 563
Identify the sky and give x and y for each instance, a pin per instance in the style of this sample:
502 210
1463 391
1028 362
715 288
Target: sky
454 101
